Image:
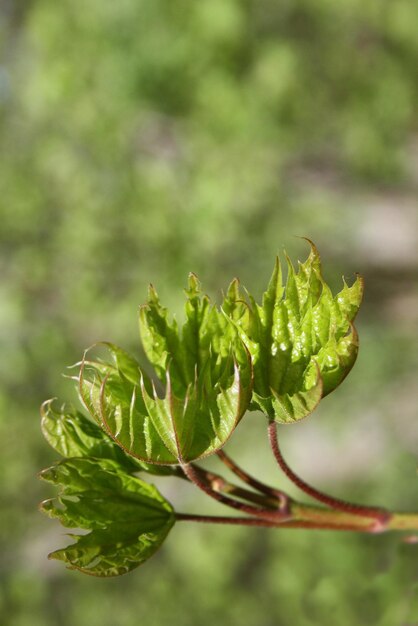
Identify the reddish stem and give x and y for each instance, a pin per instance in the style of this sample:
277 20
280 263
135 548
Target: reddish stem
219 484
381 515
282 497
265 514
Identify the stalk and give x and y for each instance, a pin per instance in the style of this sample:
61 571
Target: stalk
236 521
282 497
220 485
316 518
268 514
380 515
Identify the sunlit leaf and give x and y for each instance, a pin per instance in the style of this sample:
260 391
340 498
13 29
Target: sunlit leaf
128 519
72 434
205 374
301 338
115 400
183 424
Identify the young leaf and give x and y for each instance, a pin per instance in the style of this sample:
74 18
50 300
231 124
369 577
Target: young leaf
207 336
160 338
128 519
114 398
207 388
72 434
180 427
301 338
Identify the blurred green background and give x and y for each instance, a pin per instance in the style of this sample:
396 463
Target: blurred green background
142 139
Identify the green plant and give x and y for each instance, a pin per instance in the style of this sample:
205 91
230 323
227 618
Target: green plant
279 358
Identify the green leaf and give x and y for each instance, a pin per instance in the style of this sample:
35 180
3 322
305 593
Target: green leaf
179 427
115 400
206 337
176 429
72 434
160 338
289 408
128 519
205 372
301 338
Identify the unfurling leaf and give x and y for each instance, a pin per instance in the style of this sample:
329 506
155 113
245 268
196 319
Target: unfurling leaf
205 373
128 519
301 339
72 434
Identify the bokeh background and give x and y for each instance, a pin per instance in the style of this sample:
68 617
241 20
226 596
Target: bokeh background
142 139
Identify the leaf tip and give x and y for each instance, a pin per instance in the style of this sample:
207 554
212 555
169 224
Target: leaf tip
233 288
152 294
193 285
45 406
47 474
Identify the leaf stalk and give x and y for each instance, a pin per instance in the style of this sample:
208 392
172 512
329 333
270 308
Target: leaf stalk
195 476
380 515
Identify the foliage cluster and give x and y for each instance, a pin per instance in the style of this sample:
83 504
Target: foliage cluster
279 357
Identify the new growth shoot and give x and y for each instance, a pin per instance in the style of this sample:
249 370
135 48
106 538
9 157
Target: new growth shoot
275 359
